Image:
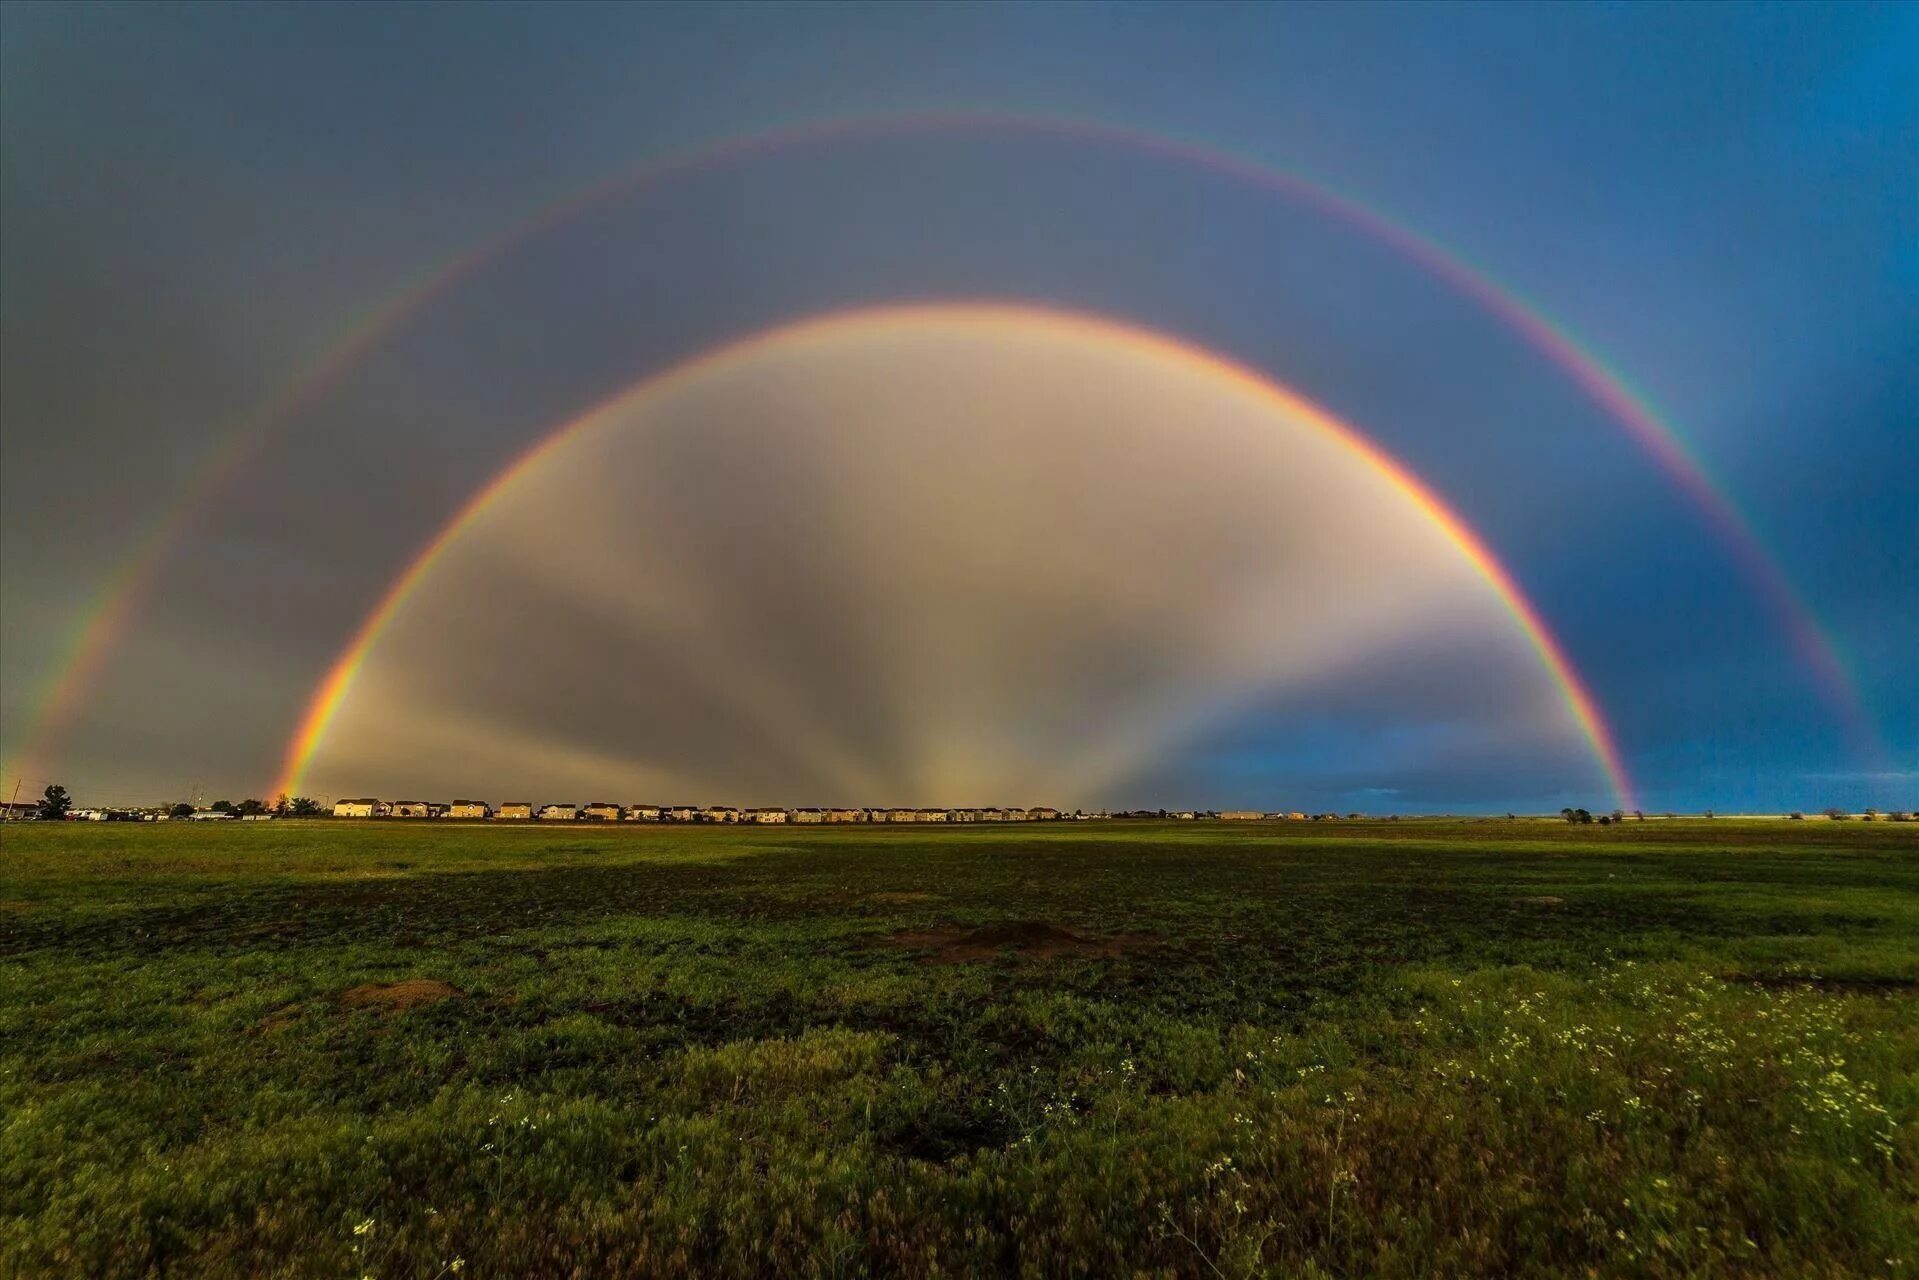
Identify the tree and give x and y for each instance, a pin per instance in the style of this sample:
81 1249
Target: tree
1618 815
1567 814
281 805
249 807
303 807
223 806
182 810
1582 816
54 803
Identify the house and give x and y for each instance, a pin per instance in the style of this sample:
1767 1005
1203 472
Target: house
19 810
962 815
843 815
1184 815
764 816
367 808
601 811
469 809
719 813
516 811
559 813
213 815
1296 816
1240 815
1043 814
901 815
809 815
411 809
643 813
681 813
932 815
86 815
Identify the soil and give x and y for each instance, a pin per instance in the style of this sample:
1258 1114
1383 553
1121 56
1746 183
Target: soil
397 997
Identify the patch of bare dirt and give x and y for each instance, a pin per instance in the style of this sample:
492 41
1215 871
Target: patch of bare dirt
19 905
1024 939
398 997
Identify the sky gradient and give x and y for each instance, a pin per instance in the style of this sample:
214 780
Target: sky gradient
1720 202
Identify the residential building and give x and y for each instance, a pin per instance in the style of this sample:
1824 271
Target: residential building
469 809
809 815
1240 815
516 811
643 813
681 813
601 811
367 808
411 809
767 816
559 813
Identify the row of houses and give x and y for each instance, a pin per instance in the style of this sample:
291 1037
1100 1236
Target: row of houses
606 811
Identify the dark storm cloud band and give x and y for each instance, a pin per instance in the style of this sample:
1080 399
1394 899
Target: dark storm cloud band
121 598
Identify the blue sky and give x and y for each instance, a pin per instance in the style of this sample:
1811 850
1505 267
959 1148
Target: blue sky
1722 200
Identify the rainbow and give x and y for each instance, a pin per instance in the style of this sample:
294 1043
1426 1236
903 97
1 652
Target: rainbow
333 689
102 627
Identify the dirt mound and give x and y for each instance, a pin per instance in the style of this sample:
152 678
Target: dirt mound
1025 939
397 997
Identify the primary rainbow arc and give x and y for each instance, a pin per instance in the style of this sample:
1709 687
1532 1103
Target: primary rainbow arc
333 689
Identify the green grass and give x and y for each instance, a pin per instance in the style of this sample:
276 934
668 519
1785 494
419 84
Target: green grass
1670 1049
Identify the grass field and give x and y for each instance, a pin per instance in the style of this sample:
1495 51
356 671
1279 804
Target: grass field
413 1050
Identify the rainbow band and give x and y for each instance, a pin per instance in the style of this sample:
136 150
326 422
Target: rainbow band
104 624
332 691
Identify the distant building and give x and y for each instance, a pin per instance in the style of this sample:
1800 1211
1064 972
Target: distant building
809 815
412 809
932 815
367 808
719 813
643 813
901 815
962 815
681 813
601 811
86 815
1043 814
1241 815
516 811
469 809
559 813
765 816
1296 816
19 810
213 815
843 815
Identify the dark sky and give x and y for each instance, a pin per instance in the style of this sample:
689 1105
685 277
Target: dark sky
1722 201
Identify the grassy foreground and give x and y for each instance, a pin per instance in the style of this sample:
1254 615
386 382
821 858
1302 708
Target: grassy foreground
400 1050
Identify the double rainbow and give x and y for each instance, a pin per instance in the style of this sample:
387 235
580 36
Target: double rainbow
103 626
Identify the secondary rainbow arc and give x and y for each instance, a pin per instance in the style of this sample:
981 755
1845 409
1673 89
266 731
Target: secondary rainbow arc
332 690
102 626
